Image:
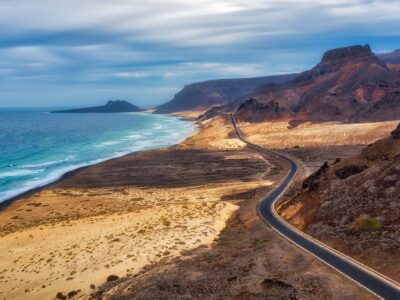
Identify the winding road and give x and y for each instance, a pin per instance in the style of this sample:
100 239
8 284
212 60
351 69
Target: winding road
378 284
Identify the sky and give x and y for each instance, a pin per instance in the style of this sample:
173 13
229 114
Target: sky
73 53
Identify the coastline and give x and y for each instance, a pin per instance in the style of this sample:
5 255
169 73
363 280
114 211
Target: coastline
59 211
137 216
31 191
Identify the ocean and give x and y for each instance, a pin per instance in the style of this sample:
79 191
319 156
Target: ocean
37 147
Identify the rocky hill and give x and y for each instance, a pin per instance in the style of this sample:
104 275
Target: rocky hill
391 58
204 95
349 84
112 106
354 205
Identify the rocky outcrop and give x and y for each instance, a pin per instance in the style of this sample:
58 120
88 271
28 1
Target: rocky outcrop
349 84
313 181
333 60
271 110
112 106
341 56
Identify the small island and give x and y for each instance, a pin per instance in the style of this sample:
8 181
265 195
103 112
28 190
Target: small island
112 106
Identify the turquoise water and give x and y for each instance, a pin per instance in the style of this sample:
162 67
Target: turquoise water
37 147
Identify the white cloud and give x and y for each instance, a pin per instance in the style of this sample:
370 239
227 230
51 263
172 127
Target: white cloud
172 42
193 70
33 54
191 23
132 74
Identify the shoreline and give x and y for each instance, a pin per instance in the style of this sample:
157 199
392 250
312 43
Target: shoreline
124 206
4 204
130 215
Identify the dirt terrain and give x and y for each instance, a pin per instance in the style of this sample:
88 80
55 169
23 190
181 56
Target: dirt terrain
116 217
353 205
247 261
356 215
164 223
283 134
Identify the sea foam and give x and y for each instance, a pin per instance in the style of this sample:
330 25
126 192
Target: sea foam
46 146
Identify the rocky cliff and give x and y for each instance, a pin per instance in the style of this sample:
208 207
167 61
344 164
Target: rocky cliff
349 84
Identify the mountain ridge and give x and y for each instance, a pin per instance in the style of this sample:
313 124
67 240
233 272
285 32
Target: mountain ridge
391 57
204 95
350 84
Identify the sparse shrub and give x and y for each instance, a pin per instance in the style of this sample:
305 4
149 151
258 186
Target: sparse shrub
371 223
60 296
166 222
112 278
71 294
366 223
258 242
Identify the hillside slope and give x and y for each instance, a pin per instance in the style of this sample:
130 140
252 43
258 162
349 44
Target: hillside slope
349 84
391 58
204 95
354 205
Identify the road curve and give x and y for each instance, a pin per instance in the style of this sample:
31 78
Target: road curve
380 285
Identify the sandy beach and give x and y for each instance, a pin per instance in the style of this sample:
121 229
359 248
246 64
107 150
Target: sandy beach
130 219
118 216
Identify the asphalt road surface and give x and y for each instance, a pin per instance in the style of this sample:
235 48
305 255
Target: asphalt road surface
376 283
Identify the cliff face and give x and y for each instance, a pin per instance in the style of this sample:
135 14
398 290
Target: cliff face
112 106
204 95
349 84
354 205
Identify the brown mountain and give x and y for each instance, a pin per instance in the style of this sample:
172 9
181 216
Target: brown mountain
204 95
354 205
391 58
349 84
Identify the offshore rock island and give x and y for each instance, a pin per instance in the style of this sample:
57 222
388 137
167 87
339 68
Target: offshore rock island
112 106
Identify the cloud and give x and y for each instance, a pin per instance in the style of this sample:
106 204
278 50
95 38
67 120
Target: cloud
134 43
132 74
188 23
194 70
